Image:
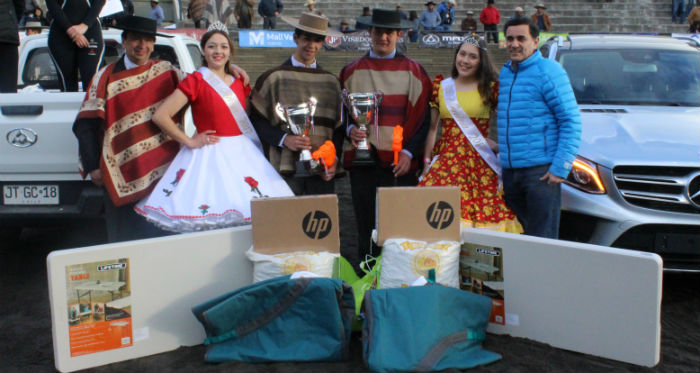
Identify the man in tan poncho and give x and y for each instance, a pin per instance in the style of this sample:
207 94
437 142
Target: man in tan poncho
292 83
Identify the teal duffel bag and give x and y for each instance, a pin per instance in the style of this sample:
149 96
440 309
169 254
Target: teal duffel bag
425 328
307 319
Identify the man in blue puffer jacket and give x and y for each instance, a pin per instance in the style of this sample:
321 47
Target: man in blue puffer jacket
539 130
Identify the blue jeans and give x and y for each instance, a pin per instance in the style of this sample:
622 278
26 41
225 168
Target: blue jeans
534 202
678 7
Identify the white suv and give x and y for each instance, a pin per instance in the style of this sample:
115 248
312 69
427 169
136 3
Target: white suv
636 180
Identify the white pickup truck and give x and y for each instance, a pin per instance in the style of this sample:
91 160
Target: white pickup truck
38 151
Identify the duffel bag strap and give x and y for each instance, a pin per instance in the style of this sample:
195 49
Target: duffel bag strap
436 353
266 317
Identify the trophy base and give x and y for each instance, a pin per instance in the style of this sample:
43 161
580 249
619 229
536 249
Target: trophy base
363 158
306 169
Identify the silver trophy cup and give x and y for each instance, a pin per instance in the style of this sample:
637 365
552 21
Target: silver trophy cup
364 109
299 120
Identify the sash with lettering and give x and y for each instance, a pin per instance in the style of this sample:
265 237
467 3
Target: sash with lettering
467 126
233 104
135 152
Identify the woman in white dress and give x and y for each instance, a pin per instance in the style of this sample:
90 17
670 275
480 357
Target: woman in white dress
222 167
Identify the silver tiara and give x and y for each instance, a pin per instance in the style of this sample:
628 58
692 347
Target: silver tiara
218 26
472 41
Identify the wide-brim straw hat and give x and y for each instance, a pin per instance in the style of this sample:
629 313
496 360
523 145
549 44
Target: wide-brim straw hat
312 23
519 9
385 18
138 24
540 5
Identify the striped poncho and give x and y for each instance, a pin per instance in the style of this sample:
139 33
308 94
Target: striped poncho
406 88
290 85
134 151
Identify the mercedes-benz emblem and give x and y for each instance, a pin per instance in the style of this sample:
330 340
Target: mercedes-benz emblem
692 191
22 137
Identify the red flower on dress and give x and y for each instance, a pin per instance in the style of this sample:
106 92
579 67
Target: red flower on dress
204 208
252 182
253 185
178 176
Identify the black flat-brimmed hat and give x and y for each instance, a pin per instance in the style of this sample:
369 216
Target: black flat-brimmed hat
385 18
138 24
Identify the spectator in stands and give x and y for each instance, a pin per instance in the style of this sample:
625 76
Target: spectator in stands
244 13
678 10
310 5
269 10
345 27
490 17
157 13
539 130
401 12
430 18
407 88
195 12
414 31
447 14
10 14
359 25
469 23
38 15
694 15
541 18
518 12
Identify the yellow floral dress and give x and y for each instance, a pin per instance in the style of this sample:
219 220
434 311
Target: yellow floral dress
458 163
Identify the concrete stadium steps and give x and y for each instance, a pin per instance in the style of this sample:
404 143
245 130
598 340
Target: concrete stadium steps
567 16
436 61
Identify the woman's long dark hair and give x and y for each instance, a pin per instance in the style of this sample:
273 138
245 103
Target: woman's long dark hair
485 74
207 35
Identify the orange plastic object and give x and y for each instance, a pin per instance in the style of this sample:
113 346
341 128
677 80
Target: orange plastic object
396 142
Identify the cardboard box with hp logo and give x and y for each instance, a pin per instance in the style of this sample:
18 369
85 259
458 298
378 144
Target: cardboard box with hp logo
289 224
425 213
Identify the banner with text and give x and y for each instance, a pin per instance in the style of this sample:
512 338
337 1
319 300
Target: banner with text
266 39
358 41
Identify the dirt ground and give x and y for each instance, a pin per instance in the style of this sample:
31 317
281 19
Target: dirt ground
25 324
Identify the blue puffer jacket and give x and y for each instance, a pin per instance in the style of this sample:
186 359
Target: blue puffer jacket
538 117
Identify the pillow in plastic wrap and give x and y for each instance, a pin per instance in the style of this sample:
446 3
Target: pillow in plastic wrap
267 266
404 260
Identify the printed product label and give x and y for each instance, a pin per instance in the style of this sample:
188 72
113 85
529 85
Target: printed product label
481 272
99 306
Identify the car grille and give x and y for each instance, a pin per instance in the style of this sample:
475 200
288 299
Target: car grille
658 188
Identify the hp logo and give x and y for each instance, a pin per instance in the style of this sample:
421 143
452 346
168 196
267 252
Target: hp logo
316 225
440 215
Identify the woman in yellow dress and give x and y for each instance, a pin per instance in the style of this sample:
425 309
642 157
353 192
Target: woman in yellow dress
464 156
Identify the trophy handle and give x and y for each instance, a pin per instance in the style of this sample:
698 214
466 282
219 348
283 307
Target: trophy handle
378 97
279 110
312 103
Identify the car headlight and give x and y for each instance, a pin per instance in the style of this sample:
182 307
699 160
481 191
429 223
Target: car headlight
584 176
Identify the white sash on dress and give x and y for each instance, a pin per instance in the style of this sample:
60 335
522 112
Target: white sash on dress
233 104
468 128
